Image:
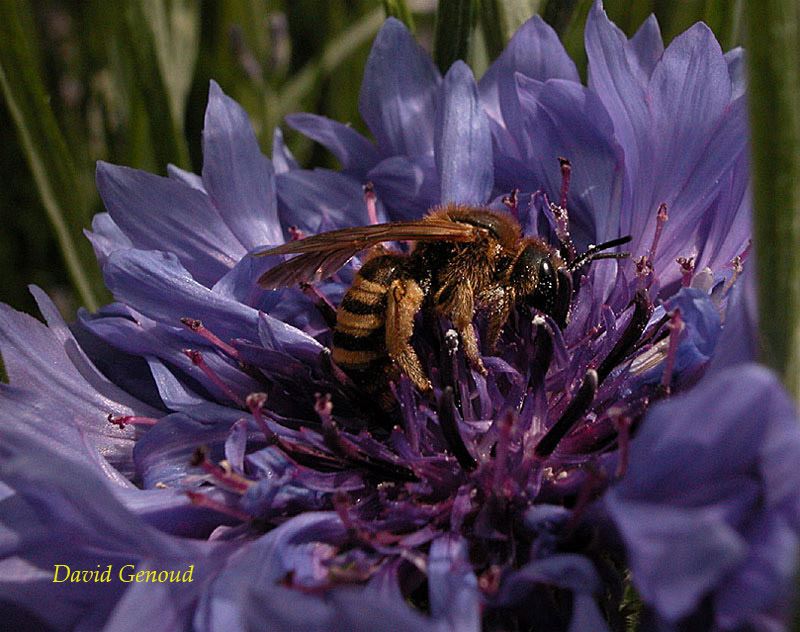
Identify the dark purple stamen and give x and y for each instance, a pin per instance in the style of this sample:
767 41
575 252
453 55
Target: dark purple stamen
449 426
642 309
623 423
575 410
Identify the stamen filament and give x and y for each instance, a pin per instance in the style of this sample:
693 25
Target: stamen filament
201 500
675 328
197 359
197 327
130 420
371 200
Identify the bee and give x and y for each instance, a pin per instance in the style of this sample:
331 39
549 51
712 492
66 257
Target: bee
464 259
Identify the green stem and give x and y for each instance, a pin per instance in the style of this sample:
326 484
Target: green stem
48 157
455 20
774 92
297 91
399 9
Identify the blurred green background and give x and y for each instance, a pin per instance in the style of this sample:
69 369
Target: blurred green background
127 81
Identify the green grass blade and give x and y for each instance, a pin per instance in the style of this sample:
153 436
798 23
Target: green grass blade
304 84
455 21
774 74
54 171
399 9
175 28
167 139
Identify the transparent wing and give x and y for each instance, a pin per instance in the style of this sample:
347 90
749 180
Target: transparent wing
322 255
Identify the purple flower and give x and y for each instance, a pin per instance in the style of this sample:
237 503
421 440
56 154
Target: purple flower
199 420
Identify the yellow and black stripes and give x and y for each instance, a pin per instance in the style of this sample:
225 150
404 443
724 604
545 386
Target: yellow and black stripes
359 340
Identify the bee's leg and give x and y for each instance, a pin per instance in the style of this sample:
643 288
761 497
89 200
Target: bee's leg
460 308
500 304
404 301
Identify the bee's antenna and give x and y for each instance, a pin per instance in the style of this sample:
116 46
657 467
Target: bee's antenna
596 252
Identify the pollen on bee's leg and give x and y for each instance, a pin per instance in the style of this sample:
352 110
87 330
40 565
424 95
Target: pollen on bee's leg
130 420
197 327
371 200
199 361
202 500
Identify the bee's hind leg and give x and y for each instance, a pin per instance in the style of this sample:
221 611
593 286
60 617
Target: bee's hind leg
405 298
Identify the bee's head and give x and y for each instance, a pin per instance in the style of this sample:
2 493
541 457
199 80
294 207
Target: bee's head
536 279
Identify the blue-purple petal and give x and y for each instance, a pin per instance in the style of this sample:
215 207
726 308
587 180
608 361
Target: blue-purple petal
354 151
239 179
463 142
158 213
398 94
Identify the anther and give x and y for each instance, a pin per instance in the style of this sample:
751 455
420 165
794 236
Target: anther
511 202
575 410
295 234
197 327
371 200
687 270
324 408
197 359
738 268
222 478
255 402
661 219
566 176
130 420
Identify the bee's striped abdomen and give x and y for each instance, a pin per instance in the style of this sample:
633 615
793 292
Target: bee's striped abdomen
359 340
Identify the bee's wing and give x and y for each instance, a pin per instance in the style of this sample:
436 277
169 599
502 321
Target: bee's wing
322 255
